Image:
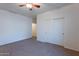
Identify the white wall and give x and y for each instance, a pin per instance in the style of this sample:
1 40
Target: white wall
71 26
71 37
14 27
45 25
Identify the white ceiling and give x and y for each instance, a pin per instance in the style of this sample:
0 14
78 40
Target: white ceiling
13 7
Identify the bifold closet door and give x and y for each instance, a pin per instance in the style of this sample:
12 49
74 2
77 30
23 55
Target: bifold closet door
57 31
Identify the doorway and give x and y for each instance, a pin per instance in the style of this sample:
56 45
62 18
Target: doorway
33 30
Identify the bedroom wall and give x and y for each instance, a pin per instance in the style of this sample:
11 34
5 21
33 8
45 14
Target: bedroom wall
14 27
71 26
45 25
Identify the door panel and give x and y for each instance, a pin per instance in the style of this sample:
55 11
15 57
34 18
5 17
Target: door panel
57 31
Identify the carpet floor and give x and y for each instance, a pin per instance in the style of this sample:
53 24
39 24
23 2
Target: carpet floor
32 47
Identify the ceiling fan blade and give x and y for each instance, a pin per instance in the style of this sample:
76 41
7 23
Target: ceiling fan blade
21 5
38 6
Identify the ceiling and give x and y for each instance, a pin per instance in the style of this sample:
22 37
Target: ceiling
13 7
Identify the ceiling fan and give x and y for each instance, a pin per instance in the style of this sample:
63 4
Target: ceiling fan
30 6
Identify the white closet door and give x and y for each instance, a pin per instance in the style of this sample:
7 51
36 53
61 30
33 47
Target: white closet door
57 31
43 30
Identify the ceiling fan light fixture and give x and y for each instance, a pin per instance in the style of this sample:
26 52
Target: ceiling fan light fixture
29 5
